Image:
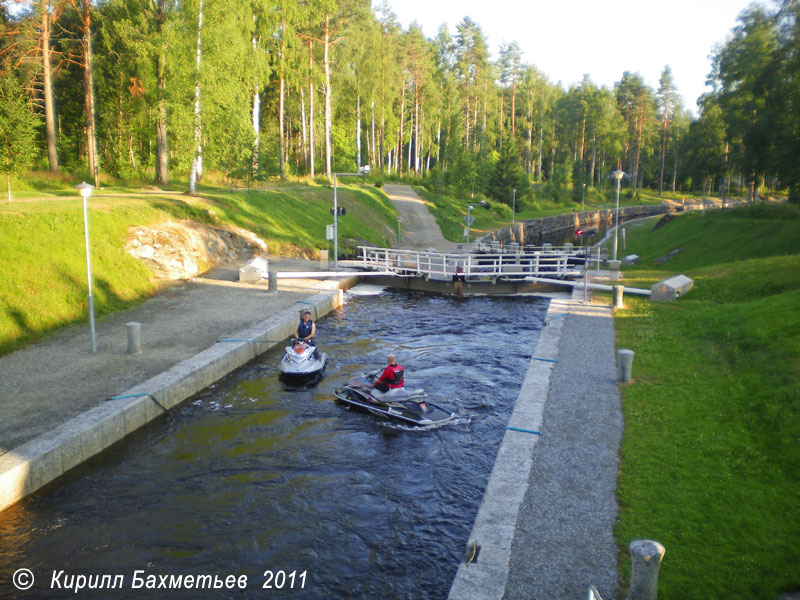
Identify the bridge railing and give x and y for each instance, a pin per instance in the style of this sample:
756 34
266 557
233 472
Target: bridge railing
443 265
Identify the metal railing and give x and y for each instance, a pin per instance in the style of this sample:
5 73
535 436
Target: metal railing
486 265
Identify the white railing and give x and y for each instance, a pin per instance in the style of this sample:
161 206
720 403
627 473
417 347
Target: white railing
487 265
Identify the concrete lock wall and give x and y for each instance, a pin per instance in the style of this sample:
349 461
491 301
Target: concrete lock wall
27 468
535 231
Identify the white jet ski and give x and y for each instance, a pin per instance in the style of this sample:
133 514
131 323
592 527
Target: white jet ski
302 362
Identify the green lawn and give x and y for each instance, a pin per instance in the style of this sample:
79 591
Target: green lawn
710 454
42 241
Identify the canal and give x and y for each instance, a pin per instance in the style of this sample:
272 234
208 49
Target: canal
252 475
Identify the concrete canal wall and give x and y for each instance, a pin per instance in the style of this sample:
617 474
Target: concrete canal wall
43 459
537 231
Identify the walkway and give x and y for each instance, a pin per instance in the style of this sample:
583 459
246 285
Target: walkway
419 228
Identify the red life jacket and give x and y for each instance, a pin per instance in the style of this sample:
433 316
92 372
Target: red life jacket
392 376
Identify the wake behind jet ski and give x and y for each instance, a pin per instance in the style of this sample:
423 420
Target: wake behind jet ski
408 405
302 362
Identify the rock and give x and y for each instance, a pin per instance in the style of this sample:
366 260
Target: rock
182 250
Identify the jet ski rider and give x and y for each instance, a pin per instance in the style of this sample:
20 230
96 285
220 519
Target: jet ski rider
305 332
306 329
392 376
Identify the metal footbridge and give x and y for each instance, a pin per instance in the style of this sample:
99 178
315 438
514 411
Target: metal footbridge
484 263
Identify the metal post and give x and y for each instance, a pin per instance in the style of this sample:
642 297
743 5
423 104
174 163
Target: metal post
514 207
336 228
618 176
399 232
85 191
469 214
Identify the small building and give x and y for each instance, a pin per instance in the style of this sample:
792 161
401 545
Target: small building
672 288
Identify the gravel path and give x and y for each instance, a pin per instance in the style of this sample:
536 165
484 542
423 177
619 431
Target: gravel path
420 230
564 539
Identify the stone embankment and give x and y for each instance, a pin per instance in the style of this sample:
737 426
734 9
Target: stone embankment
537 231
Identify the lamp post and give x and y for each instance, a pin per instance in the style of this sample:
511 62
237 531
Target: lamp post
85 191
618 176
514 206
399 232
468 222
335 212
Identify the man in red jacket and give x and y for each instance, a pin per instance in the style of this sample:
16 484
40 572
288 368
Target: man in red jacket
392 376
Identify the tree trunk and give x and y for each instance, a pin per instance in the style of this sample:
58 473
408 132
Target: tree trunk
47 85
358 128
281 106
311 106
328 93
197 160
88 88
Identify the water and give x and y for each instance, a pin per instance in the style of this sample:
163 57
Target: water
253 475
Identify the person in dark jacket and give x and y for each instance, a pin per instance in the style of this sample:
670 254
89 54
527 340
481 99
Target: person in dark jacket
306 329
392 376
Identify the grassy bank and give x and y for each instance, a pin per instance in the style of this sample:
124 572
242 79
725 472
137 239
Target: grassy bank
710 455
42 241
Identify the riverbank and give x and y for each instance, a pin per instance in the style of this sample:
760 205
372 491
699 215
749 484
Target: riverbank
54 394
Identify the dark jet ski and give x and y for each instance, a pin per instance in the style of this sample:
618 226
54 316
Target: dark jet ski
407 405
302 362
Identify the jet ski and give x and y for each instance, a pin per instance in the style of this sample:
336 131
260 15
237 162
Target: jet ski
407 405
302 362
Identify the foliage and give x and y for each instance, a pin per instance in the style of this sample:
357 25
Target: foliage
17 130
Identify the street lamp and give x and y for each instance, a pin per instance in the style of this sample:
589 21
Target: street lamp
618 176
399 232
335 212
468 222
514 206
85 191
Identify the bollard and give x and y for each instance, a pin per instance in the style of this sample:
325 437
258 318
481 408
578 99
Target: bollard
618 291
134 337
323 259
273 281
614 274
625 364
646 558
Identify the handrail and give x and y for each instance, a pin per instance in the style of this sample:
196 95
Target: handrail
549 262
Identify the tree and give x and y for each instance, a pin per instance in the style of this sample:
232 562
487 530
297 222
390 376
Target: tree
668 101
508 176
17 131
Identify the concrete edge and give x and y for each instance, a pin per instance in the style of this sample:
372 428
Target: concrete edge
40 461
484 577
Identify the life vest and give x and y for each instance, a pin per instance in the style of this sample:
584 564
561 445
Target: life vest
304 329
393 376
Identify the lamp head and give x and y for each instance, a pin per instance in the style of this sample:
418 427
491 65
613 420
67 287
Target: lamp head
363 170
618 174
84 189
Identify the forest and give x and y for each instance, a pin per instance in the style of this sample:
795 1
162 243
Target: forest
253 90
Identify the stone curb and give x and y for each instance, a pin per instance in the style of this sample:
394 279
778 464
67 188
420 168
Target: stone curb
484 577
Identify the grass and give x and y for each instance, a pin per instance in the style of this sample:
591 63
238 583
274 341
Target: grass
42 241
710 461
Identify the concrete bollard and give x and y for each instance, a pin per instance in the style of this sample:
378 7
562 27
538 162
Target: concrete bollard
134 337
614 274
625 364
646 558
618 291
273 281
323 259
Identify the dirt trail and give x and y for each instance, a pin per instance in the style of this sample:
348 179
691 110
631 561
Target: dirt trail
420 230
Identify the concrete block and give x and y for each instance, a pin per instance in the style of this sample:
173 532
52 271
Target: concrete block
631 259
254 270
672 288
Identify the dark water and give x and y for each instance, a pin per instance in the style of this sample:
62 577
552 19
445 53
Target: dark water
253 475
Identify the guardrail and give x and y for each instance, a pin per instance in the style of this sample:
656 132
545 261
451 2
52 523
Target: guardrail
553 264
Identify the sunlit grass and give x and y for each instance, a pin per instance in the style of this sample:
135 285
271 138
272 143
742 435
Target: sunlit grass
710 455
42 241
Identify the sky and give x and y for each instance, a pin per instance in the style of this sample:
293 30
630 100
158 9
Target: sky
566 39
